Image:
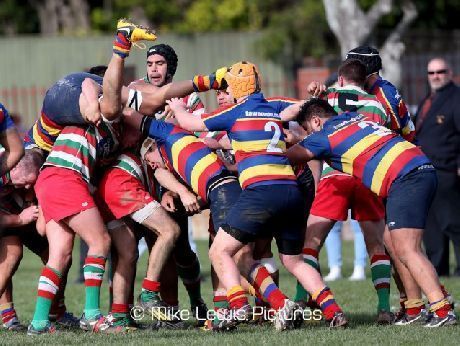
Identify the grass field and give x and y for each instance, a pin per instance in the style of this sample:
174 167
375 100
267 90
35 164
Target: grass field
357 299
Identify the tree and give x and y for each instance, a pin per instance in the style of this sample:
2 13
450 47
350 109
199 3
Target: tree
353 27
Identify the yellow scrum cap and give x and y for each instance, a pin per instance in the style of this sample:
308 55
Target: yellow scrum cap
243 79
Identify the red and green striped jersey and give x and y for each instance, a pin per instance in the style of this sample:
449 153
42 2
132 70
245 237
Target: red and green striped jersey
370 152
255 129
351 98
186 155
396 109
130 162
82 149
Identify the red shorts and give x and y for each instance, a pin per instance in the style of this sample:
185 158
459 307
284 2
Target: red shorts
122 194
62 193
338 193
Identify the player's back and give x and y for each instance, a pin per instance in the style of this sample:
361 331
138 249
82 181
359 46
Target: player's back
370 152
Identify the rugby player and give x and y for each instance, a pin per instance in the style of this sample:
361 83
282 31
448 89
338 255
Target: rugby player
393 169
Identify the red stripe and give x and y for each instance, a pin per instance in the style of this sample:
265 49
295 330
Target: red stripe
201 85
260 178
219 299
382 285
323 296
177 129
360 165
51 275
337 137
46 294
119 308
208 172
93 282
379 257
185 154
48 122
253 125
95 260
151 285
397 165
311 252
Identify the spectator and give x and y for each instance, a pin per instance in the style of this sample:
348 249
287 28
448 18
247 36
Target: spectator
438 134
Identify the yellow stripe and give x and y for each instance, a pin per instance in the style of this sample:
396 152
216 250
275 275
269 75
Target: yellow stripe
351 154
39 141
259 145
177 148
199 168
269 169
385 163
265 284
51 130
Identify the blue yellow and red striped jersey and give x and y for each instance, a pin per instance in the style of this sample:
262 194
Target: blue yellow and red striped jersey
256 132
399 117
186 155
370 152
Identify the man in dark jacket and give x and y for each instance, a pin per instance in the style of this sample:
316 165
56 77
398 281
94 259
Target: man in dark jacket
438 134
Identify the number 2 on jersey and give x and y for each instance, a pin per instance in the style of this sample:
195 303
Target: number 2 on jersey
273 145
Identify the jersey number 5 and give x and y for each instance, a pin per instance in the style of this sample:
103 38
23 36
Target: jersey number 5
273 145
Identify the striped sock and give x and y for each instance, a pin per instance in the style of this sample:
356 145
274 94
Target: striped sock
381 276
48 285
220 302
237 297
441 308
326 302
310 256
150 290
121 46
119 310
447 295
414 306
7 311
260 278
93 271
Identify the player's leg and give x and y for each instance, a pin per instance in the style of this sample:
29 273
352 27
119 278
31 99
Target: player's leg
60 239
89 225
407 205
11 254
124 245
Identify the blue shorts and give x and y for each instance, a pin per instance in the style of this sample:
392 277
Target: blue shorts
61 103
265 210
410 197
221 199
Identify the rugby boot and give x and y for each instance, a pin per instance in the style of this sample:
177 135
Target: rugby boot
14 325
66 320
88 324
111 325
338 321
134 33
284 317
49 329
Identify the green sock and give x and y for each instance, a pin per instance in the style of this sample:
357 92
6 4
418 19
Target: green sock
310 256
93 270
381 276
48 285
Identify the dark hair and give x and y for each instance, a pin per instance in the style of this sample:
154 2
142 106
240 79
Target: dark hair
353 70
369 56
316 107
31 161
98 70
168 53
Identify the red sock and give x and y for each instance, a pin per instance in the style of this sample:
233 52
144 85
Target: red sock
151 285
262 281
237 297
119 308
326 302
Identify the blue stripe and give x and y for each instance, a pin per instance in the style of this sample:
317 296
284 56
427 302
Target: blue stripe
372 163
262 160
269 290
